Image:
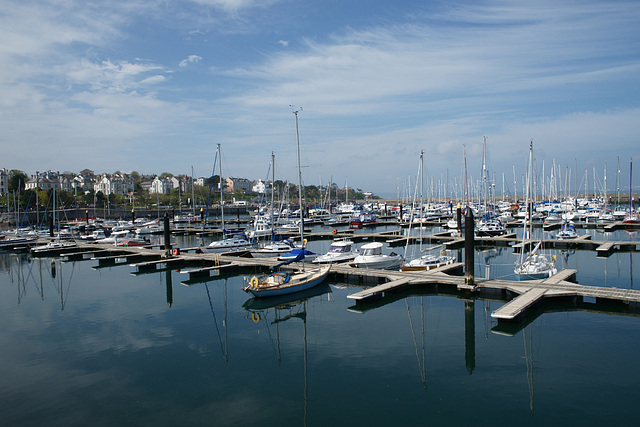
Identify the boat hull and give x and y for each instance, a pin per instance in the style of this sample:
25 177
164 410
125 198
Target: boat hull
296 284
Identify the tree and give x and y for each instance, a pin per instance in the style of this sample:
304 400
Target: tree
17 180
86 172
100 198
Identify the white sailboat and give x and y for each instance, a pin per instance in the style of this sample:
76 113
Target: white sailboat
535 265
280 282
236 242
263 227
426 259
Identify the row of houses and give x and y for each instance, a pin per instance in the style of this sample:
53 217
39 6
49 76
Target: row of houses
123 184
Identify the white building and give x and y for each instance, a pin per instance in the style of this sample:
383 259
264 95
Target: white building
161 186
115 184
4 181
259 187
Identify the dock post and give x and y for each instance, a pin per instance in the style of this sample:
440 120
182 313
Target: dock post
50 225
133 215
459 217
468 247
167 234
169 288
469 335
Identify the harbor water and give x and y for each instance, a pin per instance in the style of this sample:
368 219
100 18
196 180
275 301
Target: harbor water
83 345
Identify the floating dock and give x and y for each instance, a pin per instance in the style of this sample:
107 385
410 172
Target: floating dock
524 295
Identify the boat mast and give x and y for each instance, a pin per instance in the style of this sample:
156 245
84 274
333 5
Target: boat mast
221 193
193 193
295 113
484 172
273 181
527 232
618 183
630 187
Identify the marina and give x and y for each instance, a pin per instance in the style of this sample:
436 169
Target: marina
150 302
526 294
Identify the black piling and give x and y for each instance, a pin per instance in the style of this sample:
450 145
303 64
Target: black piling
470 335
468 247
50 225
459 217
169 289
167 234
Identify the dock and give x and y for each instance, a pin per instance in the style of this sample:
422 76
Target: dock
521 296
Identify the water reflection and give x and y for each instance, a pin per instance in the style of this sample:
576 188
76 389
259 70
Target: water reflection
275 310
136 349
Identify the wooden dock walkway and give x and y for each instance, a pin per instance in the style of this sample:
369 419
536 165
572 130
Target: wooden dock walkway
199 267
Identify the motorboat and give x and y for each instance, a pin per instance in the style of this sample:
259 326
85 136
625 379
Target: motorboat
151 227
53 245
372 257
360 220
94 236
115 236
11 242
490 227
237 242
273 249
261 228
340 251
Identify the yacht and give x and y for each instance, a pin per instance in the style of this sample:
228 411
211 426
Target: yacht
373 258
340 251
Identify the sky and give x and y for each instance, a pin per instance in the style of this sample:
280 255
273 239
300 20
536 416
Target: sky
154 85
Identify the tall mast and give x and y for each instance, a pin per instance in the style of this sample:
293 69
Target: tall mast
618 183
295 113
193 193
273 180
221 192
630 185
484 172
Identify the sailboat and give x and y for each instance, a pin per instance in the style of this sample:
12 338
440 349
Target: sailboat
535 265
567 231
282 282
275 248
489 224
235 242
57 243
426 261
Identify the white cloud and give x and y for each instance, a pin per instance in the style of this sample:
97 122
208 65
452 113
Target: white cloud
236 5
116 77
284 43
190 60
153 80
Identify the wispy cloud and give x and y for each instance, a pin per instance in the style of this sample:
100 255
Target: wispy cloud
376 92
192 59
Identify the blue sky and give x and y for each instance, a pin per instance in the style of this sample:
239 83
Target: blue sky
153 86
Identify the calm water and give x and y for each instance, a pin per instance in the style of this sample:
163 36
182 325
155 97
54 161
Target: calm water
86 346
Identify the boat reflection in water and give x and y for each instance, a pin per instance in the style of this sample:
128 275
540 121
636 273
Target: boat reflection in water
287 307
